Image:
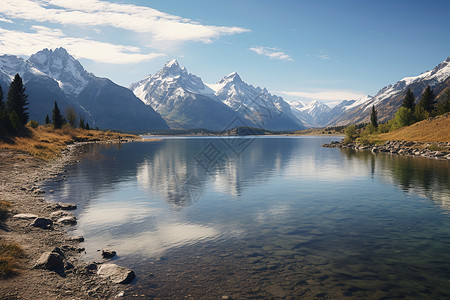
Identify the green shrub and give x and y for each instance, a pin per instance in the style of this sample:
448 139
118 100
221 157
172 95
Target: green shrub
33 124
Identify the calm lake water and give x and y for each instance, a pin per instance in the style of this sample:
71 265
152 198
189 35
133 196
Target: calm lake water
264 217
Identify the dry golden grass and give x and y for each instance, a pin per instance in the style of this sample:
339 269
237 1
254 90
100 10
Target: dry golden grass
10 256
427 131
4 206
46 143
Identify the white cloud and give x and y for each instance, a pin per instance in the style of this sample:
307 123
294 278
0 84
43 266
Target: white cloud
273 53
326 95
6 20
94 13
323 56
25 43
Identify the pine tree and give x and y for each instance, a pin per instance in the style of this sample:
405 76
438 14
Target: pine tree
87 126
15 122
47 120
2 108
17 99
427 100
409 100
57 117
374 117
443 105
81 124
2 105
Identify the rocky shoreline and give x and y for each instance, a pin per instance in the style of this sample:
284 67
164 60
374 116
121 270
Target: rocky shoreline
53 267
438 150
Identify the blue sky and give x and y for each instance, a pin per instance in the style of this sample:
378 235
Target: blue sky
301 50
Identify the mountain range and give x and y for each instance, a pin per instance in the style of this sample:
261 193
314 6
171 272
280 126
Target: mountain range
174 98
186 102
54 75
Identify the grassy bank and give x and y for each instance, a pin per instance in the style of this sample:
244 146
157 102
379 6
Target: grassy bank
427 131
46 143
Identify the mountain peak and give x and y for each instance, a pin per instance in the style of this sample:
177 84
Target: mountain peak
233 77
172 63
60 65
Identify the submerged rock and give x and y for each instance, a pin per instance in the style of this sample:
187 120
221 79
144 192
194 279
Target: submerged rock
65 206
67 220
116 274
108 253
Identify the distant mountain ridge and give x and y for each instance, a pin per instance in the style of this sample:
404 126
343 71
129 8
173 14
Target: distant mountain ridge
186 102
54 75
389 99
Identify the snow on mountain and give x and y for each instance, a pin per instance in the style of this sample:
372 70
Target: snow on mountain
54 75
256 105
389 98
170 78
60 65
183 99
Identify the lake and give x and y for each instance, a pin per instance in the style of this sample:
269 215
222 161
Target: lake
261 217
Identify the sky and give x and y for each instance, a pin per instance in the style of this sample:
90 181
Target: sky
323 50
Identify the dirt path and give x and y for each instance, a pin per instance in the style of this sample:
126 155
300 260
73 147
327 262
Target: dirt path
20 176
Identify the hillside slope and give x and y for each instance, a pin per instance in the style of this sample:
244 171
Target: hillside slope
432 130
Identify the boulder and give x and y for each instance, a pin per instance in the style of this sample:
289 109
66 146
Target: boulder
50 261
67 220
116 274
108 253
43 223
65 206
25 216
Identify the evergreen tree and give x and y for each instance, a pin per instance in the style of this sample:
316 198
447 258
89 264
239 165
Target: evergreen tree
409 100
2 116
443 105
427 100
2 105
71 116
47 120
374 117
17 100
87 126
82 125
57 117
15 122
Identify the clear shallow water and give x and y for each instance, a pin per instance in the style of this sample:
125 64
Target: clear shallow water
263 217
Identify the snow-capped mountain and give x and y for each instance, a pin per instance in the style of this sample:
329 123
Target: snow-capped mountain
54 75
61 66
390 98
256 105
317 113
183 99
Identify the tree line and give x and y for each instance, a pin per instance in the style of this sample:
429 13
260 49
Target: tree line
14 112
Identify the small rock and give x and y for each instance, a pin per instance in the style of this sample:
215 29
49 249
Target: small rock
275 291
42 223
108 253
65 206
67 220
116 274
50 261
76 239
59 251
58 214
25 216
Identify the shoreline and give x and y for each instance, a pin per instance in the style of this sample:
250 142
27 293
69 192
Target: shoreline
21 176
437 150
